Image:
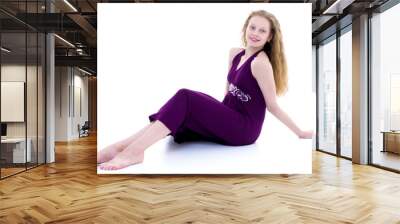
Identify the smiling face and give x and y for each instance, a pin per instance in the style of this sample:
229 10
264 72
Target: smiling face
258 31
262 30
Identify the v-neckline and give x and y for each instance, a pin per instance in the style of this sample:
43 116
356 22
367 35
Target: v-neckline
241 66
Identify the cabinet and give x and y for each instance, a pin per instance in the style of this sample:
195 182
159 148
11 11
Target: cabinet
391 141
13 150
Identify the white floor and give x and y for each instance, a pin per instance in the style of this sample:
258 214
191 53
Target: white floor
266 156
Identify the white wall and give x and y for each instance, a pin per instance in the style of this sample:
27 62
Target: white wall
61 103
81 83
68 83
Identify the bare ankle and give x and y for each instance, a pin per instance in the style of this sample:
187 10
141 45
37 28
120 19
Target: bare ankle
120 146
135 151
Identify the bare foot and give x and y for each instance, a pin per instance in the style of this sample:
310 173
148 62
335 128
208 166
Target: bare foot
109 152
123 159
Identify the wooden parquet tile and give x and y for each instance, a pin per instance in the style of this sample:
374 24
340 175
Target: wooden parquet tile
70 191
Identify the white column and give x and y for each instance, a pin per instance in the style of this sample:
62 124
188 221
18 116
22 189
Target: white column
360 90
50 93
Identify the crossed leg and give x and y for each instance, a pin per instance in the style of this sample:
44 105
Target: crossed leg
112 150
134 152
197 106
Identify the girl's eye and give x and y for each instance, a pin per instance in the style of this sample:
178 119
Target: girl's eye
253 28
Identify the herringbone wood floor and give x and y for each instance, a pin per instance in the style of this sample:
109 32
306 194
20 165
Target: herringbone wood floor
70 191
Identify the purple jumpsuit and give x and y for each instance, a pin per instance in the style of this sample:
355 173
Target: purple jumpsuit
237 120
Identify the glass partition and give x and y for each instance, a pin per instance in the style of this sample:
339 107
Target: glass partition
32 95
346 92
385 89
13 105
22 67
327 95
41 85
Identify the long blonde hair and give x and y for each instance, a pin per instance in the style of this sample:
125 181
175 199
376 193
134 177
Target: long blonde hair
274 50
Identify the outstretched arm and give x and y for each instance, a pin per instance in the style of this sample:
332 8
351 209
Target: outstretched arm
262 71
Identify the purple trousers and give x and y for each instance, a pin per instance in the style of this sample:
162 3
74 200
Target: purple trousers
192 115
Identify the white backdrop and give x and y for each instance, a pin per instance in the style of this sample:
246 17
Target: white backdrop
147 51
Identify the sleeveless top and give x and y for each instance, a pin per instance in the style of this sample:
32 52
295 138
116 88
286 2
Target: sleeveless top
244 95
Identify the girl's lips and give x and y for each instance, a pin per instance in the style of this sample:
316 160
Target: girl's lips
253 39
